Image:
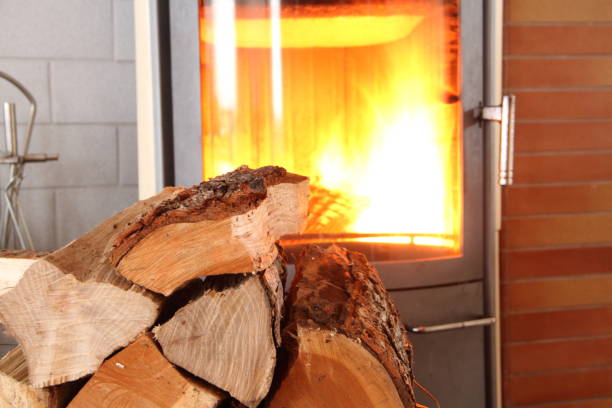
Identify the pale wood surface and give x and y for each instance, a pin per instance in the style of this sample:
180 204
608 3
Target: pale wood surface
15 391
227 336
71 309
225 233
341 321
140 376
12 269
13 264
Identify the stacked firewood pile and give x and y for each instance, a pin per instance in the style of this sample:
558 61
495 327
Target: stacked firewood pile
121 317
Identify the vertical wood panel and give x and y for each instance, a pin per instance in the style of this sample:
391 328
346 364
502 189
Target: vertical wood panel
558 40
559 61
523 327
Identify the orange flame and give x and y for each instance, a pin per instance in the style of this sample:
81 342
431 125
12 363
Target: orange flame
365 105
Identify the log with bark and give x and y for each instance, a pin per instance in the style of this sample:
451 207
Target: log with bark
15 390
75 306
140 376
229 335
344 342
70 309
228 225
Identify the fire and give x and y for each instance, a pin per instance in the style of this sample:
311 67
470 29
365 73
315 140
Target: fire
364 104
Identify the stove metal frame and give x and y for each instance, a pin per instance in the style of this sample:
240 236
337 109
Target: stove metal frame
169 132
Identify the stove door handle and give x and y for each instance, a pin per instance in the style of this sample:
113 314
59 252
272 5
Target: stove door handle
505 115
506 147
485 321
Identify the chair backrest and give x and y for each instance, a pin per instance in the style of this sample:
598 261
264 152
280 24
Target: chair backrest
11 123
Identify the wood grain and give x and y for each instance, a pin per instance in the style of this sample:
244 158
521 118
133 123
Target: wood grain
563 136
557 230
558 293
345 343
525 327
140 376
71 309
555 72
333 371
533 200
229 335
559 11
545 387
12 271
557 262
558 40
554 355
15 390
207 240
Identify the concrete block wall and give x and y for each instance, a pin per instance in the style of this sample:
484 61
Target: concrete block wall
77 59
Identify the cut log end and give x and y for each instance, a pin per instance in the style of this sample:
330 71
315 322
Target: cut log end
341 320
331 370
140 376
228 336
67 327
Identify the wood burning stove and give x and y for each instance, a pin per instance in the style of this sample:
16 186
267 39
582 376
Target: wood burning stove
359 96
374 101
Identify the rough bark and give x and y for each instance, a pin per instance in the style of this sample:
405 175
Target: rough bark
345 342
71 309
140 376
226 225
229 335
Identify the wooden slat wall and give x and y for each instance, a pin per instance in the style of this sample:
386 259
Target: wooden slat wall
557 218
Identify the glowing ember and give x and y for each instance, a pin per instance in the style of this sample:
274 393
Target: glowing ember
365 105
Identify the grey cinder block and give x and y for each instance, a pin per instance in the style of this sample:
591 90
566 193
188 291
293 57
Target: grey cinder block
123 18
34 76
93 92
128 155
56 29
81 209
88 156
39 209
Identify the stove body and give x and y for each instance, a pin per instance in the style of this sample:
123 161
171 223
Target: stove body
460 366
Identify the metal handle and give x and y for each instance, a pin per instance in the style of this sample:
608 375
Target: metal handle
486 321
504 114
506 147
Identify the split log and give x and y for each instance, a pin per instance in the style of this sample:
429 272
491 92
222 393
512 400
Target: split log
228 225
70 309
15 391
345 343
229 335
140 376
13 264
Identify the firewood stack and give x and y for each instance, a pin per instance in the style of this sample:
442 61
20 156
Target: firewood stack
121 317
